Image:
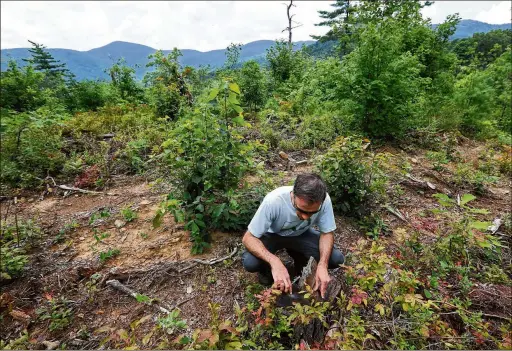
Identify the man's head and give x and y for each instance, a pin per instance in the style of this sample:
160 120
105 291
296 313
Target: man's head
309 192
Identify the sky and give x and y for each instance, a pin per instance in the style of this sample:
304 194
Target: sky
199 25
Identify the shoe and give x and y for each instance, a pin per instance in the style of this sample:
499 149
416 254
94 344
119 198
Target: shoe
265 279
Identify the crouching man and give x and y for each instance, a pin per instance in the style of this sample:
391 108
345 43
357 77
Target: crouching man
284 220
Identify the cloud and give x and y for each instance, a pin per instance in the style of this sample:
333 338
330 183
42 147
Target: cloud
200 25
495 12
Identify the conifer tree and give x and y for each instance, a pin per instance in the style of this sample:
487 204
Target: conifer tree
43 61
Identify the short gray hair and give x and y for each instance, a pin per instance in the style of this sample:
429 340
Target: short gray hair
310 187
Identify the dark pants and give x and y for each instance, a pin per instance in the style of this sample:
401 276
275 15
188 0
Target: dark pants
300 248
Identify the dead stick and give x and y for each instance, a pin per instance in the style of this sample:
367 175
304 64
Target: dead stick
209 263
396 212
72 188
115 284
17 229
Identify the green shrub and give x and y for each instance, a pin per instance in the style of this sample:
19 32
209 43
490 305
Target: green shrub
351 178
58 311
319 131
13 261
207 159
465 176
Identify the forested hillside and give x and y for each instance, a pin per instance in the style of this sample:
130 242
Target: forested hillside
124 201
92 64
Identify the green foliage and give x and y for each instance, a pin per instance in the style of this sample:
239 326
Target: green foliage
348 175
124 82
482 48
13 261
58 311
44 61
207 158
469 178
21 88
15 239
166 86
252 84
108 255
284 63
128 214
382 81
232 53
172 322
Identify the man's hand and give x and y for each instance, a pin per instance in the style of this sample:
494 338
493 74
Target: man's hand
322 279
281 277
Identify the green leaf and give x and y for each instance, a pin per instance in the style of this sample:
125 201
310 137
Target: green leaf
232 99
200 208
479 210
480 225
218 210
466 198
239 121
234 345
213 94
238 109
428 294
234 87
443 199
185 340
194 227
157 220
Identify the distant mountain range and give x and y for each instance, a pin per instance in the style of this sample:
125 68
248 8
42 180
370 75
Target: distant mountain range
92 63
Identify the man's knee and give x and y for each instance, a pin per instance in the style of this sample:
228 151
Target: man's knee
336 258
252 263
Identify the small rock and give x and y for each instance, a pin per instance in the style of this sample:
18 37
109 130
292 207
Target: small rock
413 160
51 345
175 240
124 238
123 229
495 225
144 202
82 238
189 290
119 223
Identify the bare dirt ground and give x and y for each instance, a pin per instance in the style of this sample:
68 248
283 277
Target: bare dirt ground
67 267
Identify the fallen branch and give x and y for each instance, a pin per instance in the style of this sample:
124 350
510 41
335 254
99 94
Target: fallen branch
290 161
212 262
165 268
72 188
115 284
420 182
396 212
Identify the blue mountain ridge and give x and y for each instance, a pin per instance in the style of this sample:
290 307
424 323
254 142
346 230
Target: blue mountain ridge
92 63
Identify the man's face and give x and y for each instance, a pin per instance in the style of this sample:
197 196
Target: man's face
303 208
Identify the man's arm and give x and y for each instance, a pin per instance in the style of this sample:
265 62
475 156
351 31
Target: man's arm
326 244
322 278
279 271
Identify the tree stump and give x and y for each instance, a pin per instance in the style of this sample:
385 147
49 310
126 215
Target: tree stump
315 331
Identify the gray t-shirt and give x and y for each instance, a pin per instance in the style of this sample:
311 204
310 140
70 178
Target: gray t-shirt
276 214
